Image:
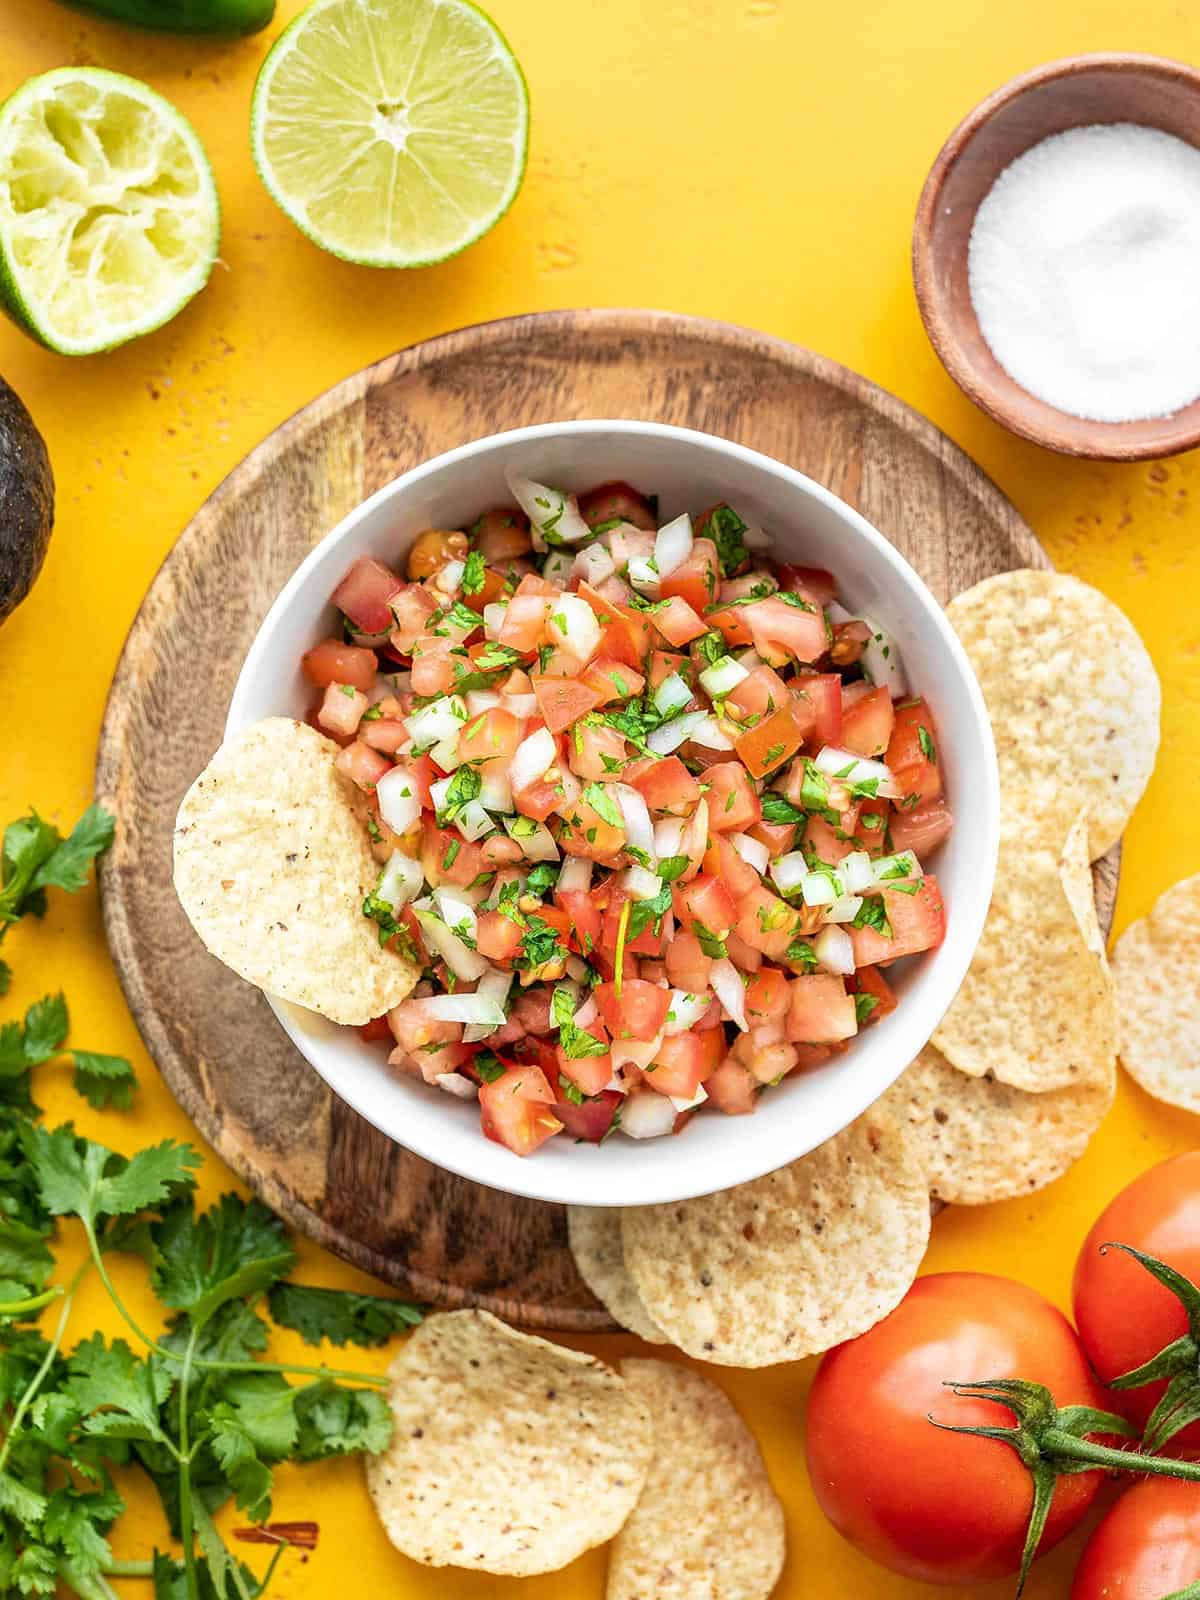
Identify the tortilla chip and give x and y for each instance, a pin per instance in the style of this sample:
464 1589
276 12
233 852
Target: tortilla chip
510 1454
708 1526
595 1234
1036 1008
1071 690
1155 965
982 1141
790 1264
272 867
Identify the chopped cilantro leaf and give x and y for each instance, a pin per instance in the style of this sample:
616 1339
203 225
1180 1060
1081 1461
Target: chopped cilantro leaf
873 914
802 953
473 570
708 941
928 750
725 528
777 808
864 1004
488 1066
670 868
465 786
602 801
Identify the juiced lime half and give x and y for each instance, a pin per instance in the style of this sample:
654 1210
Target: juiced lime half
109 220
392 132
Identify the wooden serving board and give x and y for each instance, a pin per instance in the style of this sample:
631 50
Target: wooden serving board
438 1237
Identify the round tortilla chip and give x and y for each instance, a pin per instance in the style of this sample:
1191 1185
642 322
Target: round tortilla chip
1155 963
595 1235
1070 688
708 1525
1036 1008
790 1264
272 867
982 1140
510 1454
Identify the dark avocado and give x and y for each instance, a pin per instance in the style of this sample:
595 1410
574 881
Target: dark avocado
26 501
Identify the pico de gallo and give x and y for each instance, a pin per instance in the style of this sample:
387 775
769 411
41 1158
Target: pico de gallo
652 809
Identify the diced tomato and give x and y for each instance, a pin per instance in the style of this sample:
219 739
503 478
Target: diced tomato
766 923
870 981
616 502
687 966
813 1055
584 916
438 846
819 1010
341 709
517 1109
779 837
677 622
313 717
667 787
694 580
411 608
432 665
492 736
731 620
501 535
423 773
822 838
586 833
722 861
378 1030
662 664
732 1088
733 803
563 701
524 624
678 1066
743 957
362 765
814 583
823 692
364 593
871 830
384 733
759 695
413 1029
766 995
589 1074
921 829
331 662
776 626
918 922
850 639
704 905
770 742
912 752
612 679
867 723
595 751
538 800
640 1011
497 937
591 1120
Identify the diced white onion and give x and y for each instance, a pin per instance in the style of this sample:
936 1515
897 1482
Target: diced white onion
587 1012
481 700
672 694
400 881
754 538
473 821
730 990
440 719
576 968
845 908
477 1009
548 507
399 804
493 989
493 618
709 732
647 1115
685 1010
667 834
455 911
820 889
881 661
834 949
903 864
752 851
833 762
572 624
575 875
640 1051
465 963
495 791
448 578
640 882
723 676
638 827
857 871
445 754
438 793
694 841
698 1099
594 564
643 577
454 1083
557 568
536 845
521 705
673 544
672 734
789 871
531 759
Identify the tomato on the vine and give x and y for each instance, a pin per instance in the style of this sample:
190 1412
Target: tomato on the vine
1147 1547
1124 1315
936 1505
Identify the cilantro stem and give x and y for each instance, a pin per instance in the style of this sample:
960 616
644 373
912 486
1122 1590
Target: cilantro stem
39 1377
38 1302
129 1569
619 953
187 1533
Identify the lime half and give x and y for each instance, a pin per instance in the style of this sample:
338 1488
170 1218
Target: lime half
109 220
392 132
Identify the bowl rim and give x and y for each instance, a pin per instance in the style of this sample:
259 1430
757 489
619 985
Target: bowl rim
526 1179
1108 441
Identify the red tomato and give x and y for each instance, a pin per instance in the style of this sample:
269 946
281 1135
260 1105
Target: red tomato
766 922
498 938
819 1010
687 966
584 918
563 701
1124 1315
814 583
595 752
331 661
722 861
770 742
678 1066
662 664
867 724
733 803
517 1109
667 787
432 665
850 639
364 592
501 536
870 981
362 765
677 622
524 622
411 609
732 1088
612 679
341 710
762 693
823 691
589 1074
937 1506
592 1120
586 833
921 829
1147 1547
640 1011
492 736
731 620
776 626
616 502
766 996
704 904
538 800
442 845
695 580
384 733
375 1031
825 841
918 922
912 751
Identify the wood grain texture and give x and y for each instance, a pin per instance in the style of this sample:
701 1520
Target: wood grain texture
1109 86
232 1068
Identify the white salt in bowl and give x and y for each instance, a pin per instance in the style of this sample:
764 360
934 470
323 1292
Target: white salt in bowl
809 526
1106 87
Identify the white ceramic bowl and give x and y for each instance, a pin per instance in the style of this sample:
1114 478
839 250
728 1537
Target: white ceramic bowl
809 525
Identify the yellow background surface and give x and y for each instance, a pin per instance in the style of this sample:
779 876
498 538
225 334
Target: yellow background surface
754 160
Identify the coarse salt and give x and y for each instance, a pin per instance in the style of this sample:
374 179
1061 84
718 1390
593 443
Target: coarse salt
1084 269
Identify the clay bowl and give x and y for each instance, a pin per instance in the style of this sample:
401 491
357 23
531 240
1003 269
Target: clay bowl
1106 87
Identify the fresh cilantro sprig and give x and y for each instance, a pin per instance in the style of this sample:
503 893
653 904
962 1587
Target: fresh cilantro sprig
103 1080
35 857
